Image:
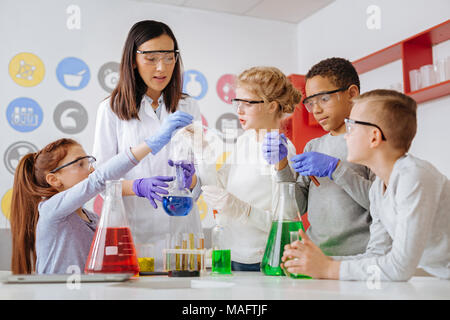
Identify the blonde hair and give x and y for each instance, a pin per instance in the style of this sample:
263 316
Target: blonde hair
271 84
396 114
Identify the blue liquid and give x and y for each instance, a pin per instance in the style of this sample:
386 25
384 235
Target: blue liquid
177 206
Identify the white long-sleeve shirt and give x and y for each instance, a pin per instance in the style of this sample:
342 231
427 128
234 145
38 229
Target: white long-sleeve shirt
410 225
251 179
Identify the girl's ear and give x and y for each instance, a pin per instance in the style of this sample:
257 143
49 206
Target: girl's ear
53 180
273 107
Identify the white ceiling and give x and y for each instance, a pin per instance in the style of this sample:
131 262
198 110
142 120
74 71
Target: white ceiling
291 11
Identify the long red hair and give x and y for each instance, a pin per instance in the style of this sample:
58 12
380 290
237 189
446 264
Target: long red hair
31 187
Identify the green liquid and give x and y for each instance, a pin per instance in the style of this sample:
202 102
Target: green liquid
221 261
279 237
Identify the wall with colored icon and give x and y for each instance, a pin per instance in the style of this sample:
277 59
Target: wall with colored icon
61 59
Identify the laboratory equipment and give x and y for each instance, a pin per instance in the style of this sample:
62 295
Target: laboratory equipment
185 258
112 249
285 220
221 253
179 201
294 236
146 257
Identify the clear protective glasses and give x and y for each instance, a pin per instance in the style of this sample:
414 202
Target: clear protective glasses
86 162
246 105
321 98
349 123
168 57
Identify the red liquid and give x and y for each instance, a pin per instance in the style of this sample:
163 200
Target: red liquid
119 253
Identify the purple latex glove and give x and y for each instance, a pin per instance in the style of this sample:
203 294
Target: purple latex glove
188 171
150 187
274 147
314 164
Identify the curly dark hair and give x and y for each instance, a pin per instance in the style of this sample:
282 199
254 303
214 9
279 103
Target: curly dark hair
340 71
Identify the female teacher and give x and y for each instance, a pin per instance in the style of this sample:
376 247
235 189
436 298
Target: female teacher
147 99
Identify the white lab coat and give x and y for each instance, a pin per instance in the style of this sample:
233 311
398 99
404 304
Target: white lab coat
112 136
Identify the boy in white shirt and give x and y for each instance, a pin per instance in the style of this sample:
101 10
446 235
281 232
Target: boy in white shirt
409 200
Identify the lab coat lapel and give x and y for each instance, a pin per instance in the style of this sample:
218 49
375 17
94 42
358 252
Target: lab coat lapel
146 105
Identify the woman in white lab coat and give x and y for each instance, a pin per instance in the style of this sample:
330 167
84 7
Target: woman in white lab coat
246 183
148 91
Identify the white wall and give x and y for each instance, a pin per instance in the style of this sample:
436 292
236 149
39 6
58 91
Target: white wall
340 30
212 43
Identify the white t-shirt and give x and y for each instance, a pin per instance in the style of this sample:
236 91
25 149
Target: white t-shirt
248 176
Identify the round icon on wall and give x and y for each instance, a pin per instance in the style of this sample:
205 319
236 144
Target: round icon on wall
226 87
24 114
6 203
26 69
70 117
195 84
73 73
108 76
229 125
15 152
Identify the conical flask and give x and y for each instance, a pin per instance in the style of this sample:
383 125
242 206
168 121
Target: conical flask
285 220
112 249
179 201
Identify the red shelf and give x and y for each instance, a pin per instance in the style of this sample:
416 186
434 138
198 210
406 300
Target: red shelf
432 92
414 52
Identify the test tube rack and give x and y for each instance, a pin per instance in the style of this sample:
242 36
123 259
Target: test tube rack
184 260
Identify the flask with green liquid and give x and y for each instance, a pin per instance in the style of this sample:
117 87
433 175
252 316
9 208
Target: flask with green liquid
221 252
285 221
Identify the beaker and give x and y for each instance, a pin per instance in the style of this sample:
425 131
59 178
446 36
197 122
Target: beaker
294 236
221 252
112 249
146 257
285 220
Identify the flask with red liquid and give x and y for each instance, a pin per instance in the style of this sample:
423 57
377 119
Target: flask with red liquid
112 249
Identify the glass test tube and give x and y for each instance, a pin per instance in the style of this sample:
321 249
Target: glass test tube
184 256
201 245
178 241
191 256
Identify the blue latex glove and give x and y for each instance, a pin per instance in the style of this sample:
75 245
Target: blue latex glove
150 187
274 147
173 122
314 164
188 171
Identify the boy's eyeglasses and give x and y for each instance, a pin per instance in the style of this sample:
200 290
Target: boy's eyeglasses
87 161
168 57
244 104
321 98
350 122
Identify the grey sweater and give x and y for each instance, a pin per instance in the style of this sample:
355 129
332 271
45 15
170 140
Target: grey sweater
338 210
63 239
410 228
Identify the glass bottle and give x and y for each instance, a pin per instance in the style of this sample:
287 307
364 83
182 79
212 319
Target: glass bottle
221 253
285 220
112 249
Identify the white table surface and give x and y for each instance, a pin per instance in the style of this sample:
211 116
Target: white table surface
239 286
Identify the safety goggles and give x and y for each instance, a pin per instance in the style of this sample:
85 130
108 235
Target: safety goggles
168 57
322 98
84 162
349 123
